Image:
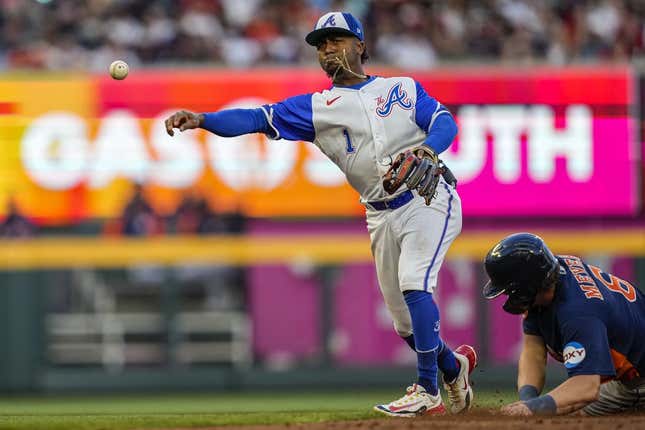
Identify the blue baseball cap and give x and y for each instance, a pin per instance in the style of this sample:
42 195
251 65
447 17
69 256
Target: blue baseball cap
335 22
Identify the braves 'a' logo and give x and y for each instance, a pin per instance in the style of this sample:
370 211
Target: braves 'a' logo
396 96
330 21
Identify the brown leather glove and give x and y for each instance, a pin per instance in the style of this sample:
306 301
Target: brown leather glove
420 169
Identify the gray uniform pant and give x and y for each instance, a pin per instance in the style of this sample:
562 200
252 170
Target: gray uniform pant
616 397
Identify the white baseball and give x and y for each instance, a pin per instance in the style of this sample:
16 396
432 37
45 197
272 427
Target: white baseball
119 69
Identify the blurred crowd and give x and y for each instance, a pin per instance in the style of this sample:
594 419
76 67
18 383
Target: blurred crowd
193 215
15 225
89 34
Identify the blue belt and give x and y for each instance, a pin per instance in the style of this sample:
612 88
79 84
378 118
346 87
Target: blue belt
395 203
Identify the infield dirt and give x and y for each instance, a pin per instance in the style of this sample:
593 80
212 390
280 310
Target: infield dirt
476 420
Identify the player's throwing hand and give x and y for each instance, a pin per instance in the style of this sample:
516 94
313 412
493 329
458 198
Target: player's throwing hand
183 120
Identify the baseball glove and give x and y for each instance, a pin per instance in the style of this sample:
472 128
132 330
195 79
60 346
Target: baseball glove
419 168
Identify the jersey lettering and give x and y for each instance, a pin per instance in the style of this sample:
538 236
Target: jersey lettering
591 291
396 96
614 283
585 281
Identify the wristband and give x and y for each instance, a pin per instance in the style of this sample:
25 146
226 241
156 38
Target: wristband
543 405
527 392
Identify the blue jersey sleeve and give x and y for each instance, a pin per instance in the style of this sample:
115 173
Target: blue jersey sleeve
235 122
291 119
432 117
530 325
586 347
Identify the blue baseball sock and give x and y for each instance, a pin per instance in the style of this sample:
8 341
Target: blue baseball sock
448 363
425 324
446 360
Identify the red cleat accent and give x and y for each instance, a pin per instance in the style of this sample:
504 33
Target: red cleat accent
469 352
460 393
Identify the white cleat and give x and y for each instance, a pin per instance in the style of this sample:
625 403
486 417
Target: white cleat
417 401
460 393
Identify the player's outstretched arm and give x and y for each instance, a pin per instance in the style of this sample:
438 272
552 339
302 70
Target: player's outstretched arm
226 123
573 394
576 393
531 367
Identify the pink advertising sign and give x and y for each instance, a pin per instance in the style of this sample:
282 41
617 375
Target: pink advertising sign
287 310
532 142
542 141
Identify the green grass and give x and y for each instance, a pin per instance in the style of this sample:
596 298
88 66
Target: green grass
201 410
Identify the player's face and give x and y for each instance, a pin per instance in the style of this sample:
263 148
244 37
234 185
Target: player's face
330 52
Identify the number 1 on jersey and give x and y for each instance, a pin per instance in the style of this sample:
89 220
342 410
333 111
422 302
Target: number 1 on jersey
349 148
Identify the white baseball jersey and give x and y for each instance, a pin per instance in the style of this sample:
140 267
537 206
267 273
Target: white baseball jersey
362 128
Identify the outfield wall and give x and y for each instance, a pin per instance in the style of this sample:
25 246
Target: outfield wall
133 314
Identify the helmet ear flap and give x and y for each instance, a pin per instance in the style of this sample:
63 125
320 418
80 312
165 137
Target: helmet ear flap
521 299
514 308
552 277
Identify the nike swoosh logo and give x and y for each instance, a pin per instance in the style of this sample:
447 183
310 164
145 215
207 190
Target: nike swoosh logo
329 102
409 405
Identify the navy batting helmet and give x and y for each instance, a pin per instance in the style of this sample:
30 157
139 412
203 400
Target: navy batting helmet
520 265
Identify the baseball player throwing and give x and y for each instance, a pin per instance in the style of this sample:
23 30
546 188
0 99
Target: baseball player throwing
588 319
384 134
